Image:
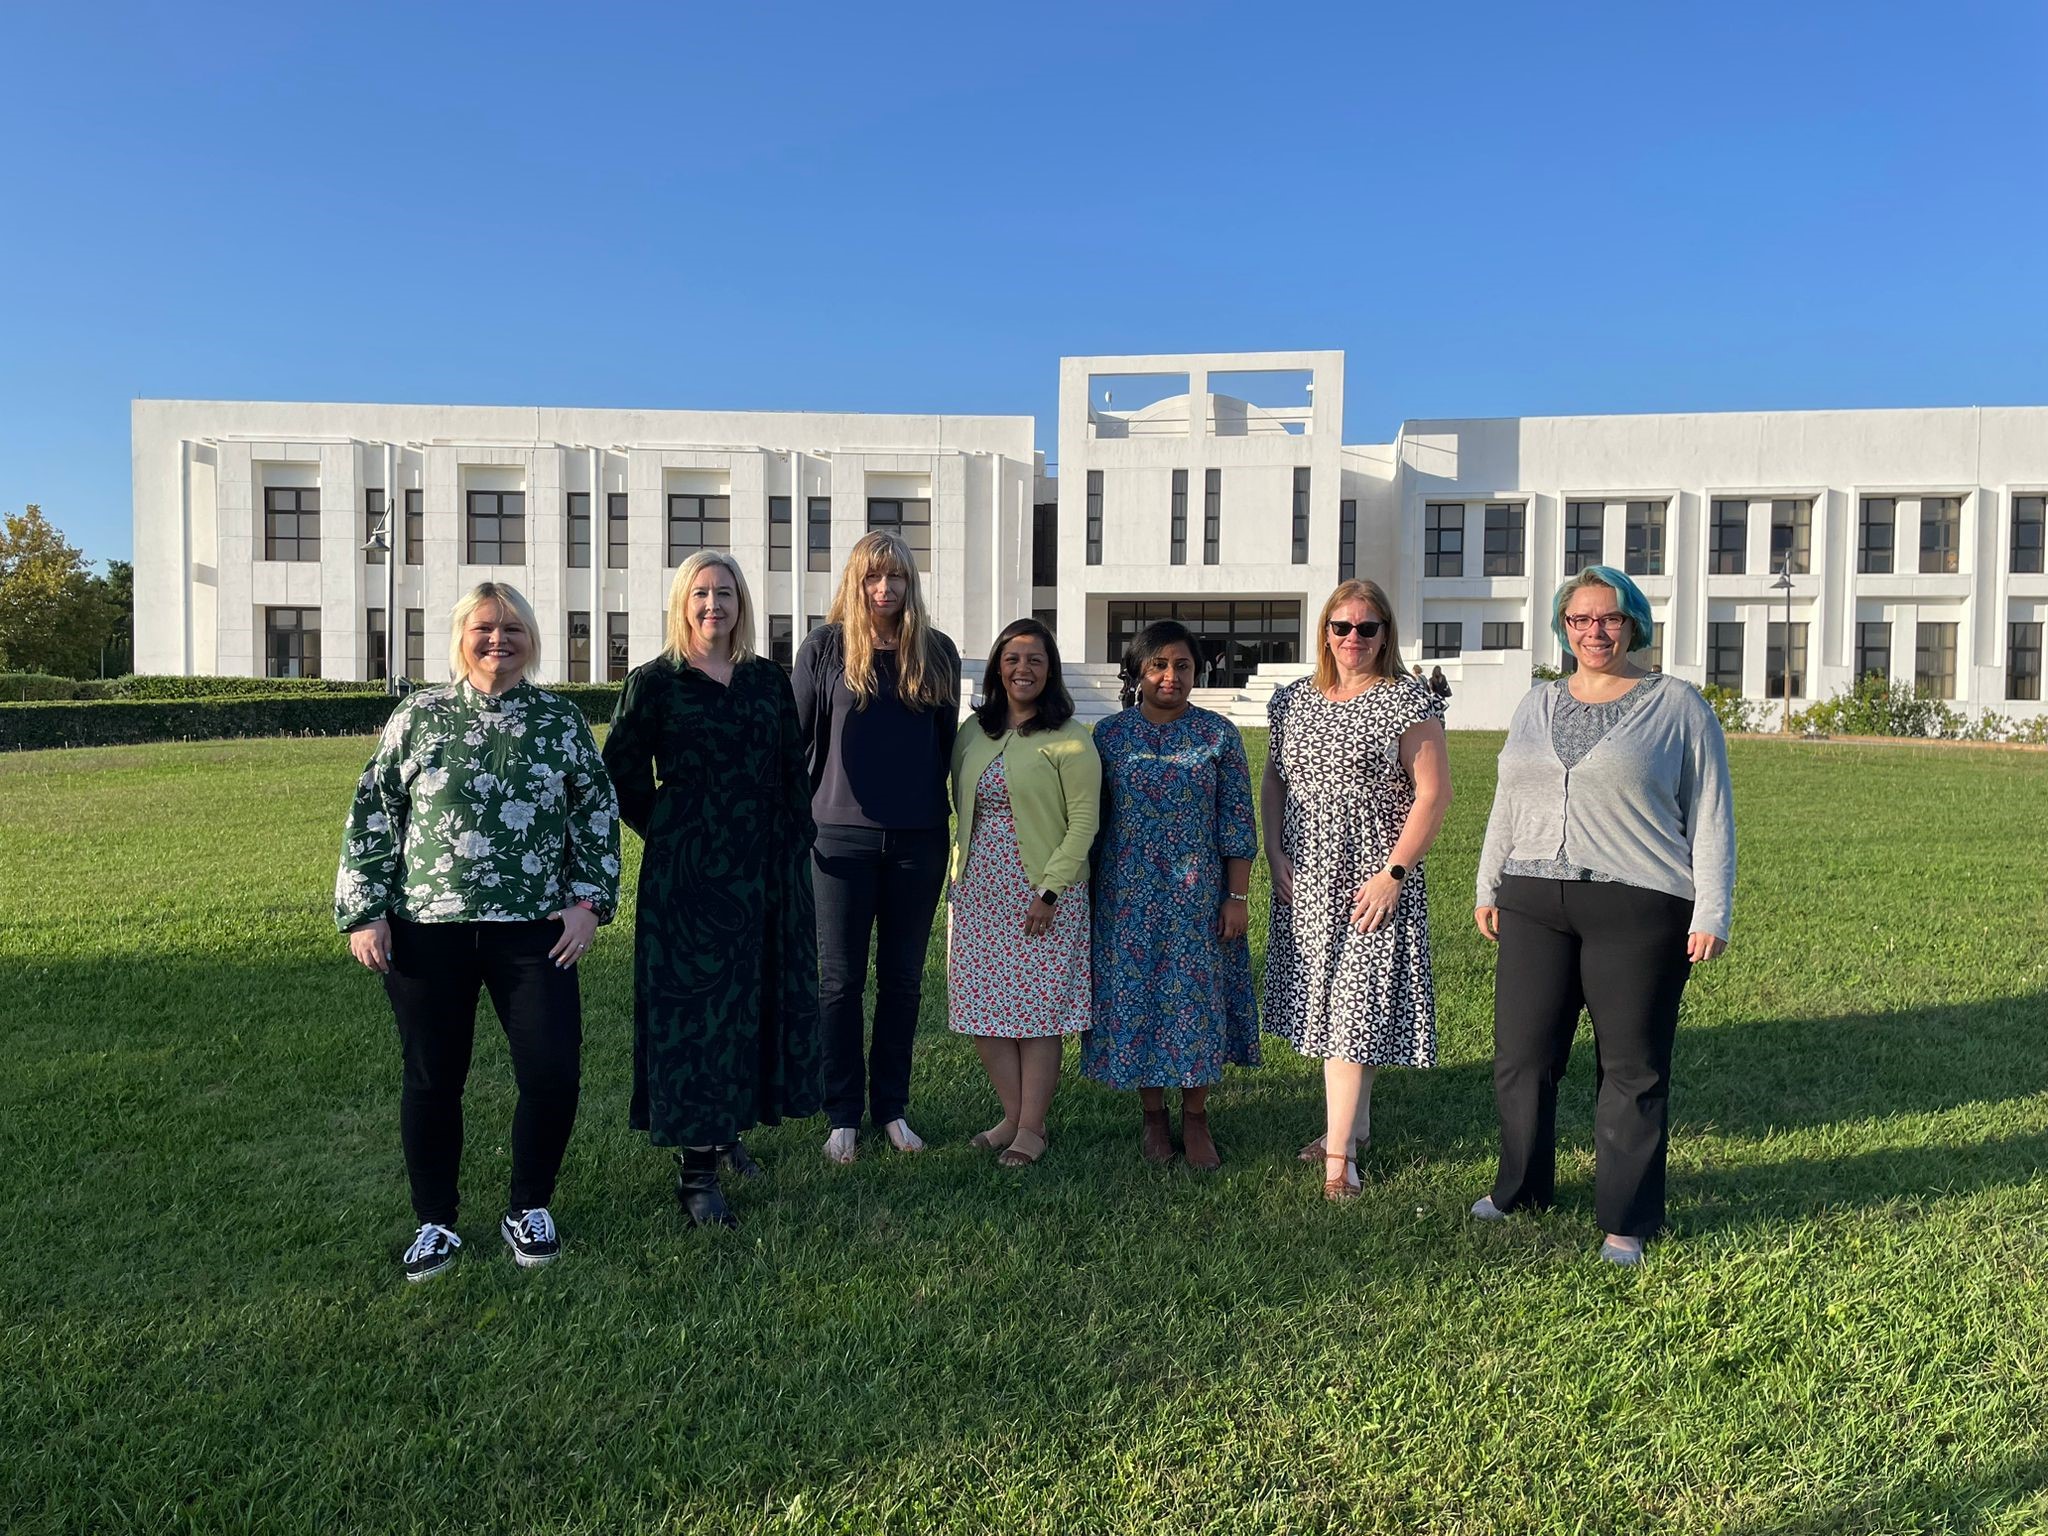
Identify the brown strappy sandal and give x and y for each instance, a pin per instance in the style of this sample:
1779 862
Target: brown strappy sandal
1340 1188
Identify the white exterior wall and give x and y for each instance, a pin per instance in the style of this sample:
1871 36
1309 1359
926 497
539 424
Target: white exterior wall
201 468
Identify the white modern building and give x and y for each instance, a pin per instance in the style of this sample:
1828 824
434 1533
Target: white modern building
1211 488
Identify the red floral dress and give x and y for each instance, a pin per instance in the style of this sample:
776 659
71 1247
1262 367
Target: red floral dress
999 981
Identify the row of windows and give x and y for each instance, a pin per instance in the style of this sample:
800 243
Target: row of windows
495 527
1446 638
1212 519
1643 553
1934 657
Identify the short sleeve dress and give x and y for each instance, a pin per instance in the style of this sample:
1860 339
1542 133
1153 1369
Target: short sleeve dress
1332 991
1173 1003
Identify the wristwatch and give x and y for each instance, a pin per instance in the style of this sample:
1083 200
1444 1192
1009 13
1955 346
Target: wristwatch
1049 896
1398 871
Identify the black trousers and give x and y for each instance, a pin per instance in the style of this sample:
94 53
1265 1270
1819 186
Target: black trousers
881 884
1618 951
437 970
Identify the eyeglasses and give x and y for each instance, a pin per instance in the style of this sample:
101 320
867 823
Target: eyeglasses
1366 629
1579 623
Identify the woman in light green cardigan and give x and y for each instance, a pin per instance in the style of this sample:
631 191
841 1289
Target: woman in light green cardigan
1027 794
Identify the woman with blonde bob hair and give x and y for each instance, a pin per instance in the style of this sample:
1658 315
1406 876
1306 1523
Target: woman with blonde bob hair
482 853
708 758
1357 783
877 695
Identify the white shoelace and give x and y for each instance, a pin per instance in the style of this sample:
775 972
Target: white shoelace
432 1238
536 1225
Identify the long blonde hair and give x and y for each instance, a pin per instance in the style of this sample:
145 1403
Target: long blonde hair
1389 663
923 679
679 633
505 595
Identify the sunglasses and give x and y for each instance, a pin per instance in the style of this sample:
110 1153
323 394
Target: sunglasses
1366 629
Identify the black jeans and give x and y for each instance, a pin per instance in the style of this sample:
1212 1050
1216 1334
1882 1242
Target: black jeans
436 972
886 884
1619 952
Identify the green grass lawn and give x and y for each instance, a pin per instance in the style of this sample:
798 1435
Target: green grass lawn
204 1325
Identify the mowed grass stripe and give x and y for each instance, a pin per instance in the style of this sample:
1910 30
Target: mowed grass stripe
204 1327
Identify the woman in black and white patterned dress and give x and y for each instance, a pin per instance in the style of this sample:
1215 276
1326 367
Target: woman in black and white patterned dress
1357 783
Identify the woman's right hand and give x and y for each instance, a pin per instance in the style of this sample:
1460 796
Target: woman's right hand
1282 869
1488 919
371 945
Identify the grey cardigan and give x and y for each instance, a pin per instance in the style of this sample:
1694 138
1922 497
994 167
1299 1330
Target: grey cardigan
1649 805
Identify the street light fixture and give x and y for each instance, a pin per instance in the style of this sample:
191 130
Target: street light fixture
1784 584
380 538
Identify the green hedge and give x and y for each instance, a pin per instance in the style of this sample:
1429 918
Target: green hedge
155 687
41 686
130 722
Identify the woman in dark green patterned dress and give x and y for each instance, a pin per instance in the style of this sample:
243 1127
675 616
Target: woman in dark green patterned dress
706 754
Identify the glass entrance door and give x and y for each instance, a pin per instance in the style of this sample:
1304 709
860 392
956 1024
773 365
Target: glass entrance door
1235 636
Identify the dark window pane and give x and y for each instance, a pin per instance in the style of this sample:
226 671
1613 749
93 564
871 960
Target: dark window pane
1728 551
616 527
579 530
1094 528
1504 533
1875 535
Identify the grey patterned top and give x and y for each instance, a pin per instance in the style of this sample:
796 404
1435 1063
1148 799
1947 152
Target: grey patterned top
1575 729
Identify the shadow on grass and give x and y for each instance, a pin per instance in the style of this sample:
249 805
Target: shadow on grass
1922 1504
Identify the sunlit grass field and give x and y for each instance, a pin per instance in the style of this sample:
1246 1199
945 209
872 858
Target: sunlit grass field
204 1326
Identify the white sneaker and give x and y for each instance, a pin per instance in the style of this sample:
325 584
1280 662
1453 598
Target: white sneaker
433 1250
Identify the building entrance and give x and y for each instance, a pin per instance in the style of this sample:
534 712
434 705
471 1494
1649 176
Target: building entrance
1235 637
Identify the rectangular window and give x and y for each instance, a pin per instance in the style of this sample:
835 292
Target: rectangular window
1874 649
696 523
415 643
1644 550
1045 544
1941 535
1792 536
1500 637
1934 661
2023 661
2029 513
912 520
615 525
579 530
1441 640
1049 617
1301 516
1582 525
415 529
1504 521
377 646
1347 540
1094 529
615 667
291 642
373 514
1443 539
1728 553
1177 521
1775 661
781 640
291 526
579 645
1212 516
818 534
781 533
1653 653
1875 533
497 527
1724 656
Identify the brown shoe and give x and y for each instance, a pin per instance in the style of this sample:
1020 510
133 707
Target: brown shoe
1158 1143
1199 1144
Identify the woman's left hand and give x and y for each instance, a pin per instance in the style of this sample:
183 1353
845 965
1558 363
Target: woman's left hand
579 927
1233 919
1703 946
1372 908
1037 918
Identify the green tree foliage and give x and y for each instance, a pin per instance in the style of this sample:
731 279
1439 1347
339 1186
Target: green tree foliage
54 616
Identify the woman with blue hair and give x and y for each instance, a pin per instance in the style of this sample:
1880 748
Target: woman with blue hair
1607 874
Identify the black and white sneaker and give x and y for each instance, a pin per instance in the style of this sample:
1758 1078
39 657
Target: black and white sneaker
531 1236
433 1250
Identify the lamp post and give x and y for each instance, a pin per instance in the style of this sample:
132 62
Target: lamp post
381 539
1784 584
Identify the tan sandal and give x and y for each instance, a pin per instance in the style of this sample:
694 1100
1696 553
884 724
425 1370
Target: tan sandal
1340 1188
1027 1149
991 1140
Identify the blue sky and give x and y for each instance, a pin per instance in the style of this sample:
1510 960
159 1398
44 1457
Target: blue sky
1492 209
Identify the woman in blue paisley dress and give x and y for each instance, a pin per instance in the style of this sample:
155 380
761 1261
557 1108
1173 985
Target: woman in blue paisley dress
1173 974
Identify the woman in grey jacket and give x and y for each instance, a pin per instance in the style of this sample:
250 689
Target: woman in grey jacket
1606 876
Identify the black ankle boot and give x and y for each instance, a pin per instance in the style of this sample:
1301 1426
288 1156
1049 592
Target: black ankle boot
697 1188
733 1155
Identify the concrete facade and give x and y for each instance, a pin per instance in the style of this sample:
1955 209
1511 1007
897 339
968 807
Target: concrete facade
1216 488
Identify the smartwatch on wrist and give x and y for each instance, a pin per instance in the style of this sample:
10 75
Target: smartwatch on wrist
1049 896
1398 871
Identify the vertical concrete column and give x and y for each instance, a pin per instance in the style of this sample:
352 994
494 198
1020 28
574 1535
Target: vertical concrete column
240 539
948 594
646 554
342 620
441 549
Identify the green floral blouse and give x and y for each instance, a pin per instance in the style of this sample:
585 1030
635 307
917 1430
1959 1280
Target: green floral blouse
480 809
